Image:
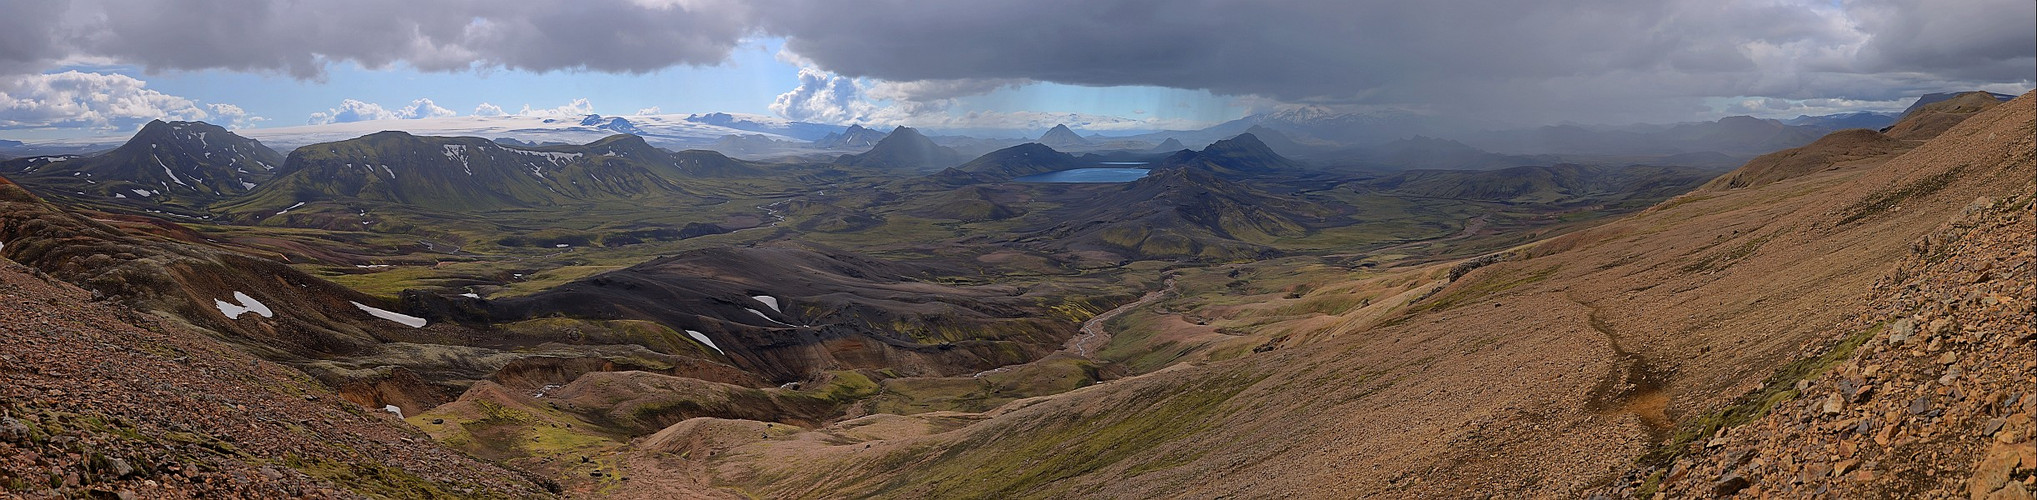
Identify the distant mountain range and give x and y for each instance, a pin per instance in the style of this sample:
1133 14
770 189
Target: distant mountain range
1842 121
1328 137
459 174
854 137
765 125
1241 156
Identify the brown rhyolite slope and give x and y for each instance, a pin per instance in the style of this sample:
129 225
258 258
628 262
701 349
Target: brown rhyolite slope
1848 148
1836 150
1549 372
98 400
1929 120
1936 404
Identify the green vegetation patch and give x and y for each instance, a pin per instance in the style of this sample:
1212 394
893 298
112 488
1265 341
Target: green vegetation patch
1033 462
1726 259
1779 387
1888 200
375 480
1487 286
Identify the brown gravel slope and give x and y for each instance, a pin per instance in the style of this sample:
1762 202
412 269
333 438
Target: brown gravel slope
96 400
1550 373
1937 400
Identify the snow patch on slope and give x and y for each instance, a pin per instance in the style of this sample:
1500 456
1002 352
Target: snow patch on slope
405 319
702 337
766 317
242 304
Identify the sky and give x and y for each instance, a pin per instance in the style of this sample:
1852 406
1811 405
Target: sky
103 67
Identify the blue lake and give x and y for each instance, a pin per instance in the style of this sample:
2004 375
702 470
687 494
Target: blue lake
1087 175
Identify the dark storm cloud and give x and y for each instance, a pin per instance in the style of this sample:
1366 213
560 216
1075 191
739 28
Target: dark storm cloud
1978 39
1561 59
27 35
303 38
1544 60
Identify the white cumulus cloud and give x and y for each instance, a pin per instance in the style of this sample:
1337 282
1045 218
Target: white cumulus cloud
78 99
355 110
232 117
424 108
824 98
579 107
351 110
486 109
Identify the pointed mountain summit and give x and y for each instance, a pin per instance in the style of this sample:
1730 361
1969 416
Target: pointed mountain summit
1170 145
166 164
1277 141
1061 137
855 137
905 149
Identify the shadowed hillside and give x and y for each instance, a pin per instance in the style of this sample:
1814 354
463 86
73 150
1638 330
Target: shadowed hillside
170 166
468 173
1182 212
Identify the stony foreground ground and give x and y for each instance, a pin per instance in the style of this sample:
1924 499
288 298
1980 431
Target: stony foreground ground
97 401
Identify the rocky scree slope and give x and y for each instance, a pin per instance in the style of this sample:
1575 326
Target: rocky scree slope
1932 398
97 400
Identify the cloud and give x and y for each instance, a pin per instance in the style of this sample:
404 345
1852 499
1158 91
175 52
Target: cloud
1546 61
1535 61
424 108
934 90
351 110
232 117
74 99
578 108
302 38
1770 107
1040 120
648 111
824 98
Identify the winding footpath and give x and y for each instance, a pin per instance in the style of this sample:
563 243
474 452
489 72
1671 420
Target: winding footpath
1634 385
1093 336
